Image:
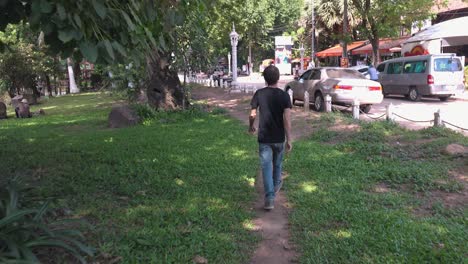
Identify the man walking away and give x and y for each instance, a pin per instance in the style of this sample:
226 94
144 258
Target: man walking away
274 131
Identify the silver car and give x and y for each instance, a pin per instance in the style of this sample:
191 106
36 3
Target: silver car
343 85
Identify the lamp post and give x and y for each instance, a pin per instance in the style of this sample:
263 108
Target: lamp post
229 63
301 51
189 53
234 39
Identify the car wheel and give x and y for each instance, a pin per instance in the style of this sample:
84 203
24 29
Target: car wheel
414 95
319 103
365 108
444 98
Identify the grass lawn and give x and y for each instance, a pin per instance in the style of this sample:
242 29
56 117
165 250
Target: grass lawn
378 194
177 187
181 186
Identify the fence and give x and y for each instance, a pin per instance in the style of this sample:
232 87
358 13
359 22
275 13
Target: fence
390 114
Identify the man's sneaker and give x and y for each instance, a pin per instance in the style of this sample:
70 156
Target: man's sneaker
278 187
269 204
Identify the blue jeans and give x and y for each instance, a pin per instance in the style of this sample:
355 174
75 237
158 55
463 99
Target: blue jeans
271 159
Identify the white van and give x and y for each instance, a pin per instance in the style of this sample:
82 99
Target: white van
434 75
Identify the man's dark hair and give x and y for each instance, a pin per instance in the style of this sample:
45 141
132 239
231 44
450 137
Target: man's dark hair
271 75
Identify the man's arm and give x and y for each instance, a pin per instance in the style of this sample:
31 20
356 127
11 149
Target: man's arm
287 128
252 116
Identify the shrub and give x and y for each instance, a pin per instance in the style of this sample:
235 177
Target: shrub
24 230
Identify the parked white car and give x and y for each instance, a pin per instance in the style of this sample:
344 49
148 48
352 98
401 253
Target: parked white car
342 84
363 69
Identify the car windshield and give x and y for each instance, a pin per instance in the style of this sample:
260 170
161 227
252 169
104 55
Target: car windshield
344 74
447 64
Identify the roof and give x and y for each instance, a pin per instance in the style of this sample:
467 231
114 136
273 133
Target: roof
386 45
440 7
453 32
337 50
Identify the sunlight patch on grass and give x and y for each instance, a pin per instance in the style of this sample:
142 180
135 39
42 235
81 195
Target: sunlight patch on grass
250 180
342 234
249 225
309 187
179 182
109 140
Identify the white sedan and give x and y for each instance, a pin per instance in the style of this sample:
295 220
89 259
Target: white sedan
342 84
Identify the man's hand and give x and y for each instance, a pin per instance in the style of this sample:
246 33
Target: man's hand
288 146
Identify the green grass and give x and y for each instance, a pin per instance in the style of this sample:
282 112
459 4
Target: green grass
180 185
339 218
163 192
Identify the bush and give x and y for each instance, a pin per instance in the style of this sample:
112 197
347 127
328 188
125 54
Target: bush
23 230
144 111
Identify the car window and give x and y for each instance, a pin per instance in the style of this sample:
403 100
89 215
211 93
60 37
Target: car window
447 64
381 67
306 75
363 70
394 68
415 67
344 74
315 75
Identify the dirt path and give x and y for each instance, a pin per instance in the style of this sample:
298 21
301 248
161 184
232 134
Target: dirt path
275 247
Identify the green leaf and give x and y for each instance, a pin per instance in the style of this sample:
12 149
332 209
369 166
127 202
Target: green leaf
162 42
109 49
66 35
56 243
77 19
61 12
45 6
100 9
119 48
15 216
143 242
129 21
89 51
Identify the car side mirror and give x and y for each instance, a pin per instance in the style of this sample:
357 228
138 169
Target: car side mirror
301 80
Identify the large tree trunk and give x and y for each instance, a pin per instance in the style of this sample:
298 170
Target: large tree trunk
49 85
375 51
164 90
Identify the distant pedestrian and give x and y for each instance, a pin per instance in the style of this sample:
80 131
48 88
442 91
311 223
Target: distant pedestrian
274 131
373 74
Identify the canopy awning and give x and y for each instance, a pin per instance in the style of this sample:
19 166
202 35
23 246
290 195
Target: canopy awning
337 50
452 32
386 45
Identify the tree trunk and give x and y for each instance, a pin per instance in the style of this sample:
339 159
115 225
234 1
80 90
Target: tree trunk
375 51
164 90
48 84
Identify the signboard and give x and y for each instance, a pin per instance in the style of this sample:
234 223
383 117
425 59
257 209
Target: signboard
421 48
283 50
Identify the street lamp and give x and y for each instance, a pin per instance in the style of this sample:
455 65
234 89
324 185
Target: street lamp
189 54
234 39
301 51
229 63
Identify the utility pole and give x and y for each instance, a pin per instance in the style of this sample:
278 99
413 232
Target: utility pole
312 56
345 29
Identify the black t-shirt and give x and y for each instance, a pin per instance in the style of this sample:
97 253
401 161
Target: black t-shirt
271 103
